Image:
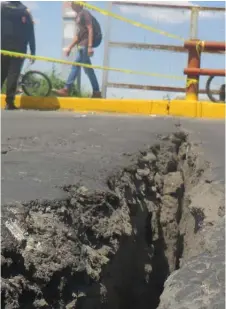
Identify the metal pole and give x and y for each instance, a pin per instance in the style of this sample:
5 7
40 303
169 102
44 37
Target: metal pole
192 90
106 51
194 24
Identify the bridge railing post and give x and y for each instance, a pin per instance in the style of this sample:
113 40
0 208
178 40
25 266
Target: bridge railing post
194 62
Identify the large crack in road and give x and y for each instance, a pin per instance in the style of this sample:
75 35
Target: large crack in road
118 248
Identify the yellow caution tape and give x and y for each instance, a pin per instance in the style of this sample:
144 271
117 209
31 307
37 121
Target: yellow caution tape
191 82
20 55
200 46
130 21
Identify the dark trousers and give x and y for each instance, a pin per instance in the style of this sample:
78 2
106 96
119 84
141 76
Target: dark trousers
10 70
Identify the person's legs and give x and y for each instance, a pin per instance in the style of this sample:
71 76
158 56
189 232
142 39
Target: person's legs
72 76
91 74
12 80
74 71
82 57
5 62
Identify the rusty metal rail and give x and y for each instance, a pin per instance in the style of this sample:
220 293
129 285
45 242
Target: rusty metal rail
206 46
145 46
204 72
169 6
156 88
163 47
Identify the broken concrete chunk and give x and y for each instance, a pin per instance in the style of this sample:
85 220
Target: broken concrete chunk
138 177
154 189
159 180
72 305
149 158
15 229
42 304
169 210
172 183
143 172
92 261
82 191
73 202
150 179
150 206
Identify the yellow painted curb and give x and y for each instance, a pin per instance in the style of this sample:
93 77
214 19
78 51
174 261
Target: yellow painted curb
212 110
196 109
128 106
183 108
180 108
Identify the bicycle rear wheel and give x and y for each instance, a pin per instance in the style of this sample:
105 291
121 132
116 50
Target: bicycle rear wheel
35 83
210 93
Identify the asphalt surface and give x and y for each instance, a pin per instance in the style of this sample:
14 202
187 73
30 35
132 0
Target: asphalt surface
44 150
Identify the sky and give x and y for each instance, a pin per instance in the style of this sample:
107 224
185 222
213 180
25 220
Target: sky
49 30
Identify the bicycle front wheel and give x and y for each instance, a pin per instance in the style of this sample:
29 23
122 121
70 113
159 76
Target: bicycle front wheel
35 83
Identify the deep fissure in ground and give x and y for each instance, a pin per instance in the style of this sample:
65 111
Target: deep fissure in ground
107 250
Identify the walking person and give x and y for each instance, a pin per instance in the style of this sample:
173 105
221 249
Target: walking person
89 37
17 31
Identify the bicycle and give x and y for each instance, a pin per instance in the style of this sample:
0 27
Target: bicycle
210 93
34 83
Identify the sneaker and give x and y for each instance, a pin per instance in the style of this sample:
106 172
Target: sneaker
96 95
62 92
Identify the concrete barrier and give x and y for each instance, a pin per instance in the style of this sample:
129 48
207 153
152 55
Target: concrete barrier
180 108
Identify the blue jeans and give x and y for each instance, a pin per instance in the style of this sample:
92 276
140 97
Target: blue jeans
82 57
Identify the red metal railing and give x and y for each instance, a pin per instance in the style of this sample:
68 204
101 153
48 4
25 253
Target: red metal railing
193 71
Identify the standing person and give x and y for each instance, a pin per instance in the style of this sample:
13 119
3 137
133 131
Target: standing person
89 37
17 31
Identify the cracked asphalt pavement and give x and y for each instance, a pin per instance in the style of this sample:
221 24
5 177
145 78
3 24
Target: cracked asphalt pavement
42 151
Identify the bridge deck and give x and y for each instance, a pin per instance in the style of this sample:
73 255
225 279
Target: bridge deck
42 150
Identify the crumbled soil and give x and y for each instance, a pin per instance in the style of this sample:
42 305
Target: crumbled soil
112 249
